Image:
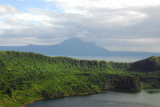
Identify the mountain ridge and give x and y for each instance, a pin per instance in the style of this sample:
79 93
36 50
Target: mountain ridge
74 47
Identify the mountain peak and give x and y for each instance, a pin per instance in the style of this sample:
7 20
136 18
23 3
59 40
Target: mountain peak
29 45
77 41
73 40
76 47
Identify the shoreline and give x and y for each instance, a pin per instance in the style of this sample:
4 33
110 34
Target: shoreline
24 105
83 94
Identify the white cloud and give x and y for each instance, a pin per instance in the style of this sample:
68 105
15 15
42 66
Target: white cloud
120 17
31 17
82 34
79 5
1 32
7 9
127 16
133 44
4 26
109 12
15 22
116 26
10 13
21 41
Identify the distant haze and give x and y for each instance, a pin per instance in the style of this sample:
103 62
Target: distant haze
75 47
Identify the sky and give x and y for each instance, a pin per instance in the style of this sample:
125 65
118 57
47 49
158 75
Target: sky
117 25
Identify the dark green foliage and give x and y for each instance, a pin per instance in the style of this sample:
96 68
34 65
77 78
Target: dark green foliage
25 77
146 65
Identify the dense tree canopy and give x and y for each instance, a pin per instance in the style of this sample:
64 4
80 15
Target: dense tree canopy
25 77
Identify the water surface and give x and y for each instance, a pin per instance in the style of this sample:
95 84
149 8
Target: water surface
146 98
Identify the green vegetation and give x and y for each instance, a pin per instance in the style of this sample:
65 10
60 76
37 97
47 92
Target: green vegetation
26 77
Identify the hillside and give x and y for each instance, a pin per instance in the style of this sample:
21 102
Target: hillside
74 47
26 77
146 65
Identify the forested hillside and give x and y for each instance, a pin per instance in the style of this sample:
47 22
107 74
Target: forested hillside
26 77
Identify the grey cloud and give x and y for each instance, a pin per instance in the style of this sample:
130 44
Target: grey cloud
94 26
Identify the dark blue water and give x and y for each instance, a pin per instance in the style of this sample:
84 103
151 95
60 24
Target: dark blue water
146 98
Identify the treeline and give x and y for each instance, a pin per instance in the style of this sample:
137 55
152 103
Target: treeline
26 76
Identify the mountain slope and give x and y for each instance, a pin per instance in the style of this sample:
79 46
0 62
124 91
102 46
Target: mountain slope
70 47
146 65
74 47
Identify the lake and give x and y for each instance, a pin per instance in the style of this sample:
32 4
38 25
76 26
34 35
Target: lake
145 98
109 58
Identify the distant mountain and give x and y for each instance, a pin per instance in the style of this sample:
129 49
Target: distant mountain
74 47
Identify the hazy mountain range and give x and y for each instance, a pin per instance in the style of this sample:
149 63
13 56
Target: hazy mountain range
75 47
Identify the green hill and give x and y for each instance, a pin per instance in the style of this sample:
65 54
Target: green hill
146 65
26 77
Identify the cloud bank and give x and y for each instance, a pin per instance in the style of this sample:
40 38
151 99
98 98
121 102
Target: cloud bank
131 25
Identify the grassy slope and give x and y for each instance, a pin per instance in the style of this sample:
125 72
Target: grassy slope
25 77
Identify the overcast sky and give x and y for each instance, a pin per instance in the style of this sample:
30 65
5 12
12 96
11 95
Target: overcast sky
126 25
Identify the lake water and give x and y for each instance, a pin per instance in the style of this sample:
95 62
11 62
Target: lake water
146 98
108 58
